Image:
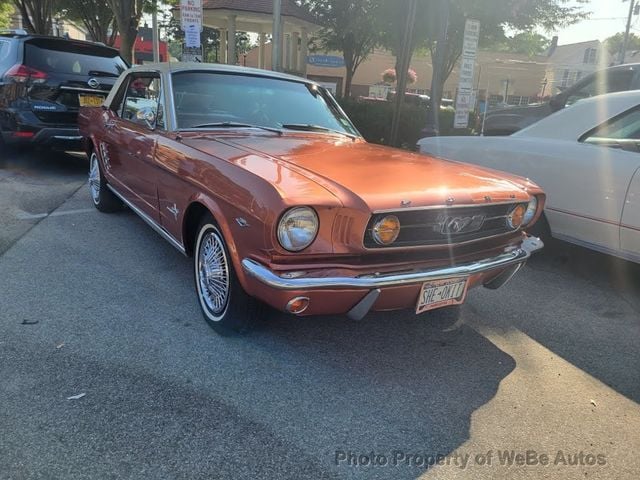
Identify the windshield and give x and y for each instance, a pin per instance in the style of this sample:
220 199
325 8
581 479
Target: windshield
207 98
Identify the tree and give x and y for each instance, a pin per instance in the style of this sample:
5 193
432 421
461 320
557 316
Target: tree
527 43
614 43
349 26
96 15
127 15
6 10
36 15
392 24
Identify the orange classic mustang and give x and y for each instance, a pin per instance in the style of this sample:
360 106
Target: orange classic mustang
262 178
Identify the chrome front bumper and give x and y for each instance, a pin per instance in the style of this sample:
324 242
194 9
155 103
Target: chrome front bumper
513 258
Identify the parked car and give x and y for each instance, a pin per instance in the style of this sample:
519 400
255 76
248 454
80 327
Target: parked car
43 82
587 159
505 121
262 178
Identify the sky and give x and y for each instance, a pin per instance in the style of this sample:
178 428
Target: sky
608 17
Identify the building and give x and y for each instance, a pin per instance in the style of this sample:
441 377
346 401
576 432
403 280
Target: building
509 78
569 63
143 47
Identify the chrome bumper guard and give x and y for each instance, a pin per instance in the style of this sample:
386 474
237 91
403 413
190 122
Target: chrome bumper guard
514 258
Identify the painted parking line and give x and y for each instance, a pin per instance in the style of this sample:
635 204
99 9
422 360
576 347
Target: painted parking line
35 216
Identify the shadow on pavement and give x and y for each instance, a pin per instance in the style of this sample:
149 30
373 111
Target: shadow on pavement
600 335
395 374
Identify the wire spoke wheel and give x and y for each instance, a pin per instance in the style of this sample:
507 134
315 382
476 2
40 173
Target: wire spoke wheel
213 273
94 178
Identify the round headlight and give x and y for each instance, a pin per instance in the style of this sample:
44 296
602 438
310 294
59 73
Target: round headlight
531 211
385 231
516 216
298 228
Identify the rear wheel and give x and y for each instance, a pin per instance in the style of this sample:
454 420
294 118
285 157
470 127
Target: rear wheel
225 305
103 198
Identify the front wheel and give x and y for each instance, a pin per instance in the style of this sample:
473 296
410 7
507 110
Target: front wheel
225 305
103 198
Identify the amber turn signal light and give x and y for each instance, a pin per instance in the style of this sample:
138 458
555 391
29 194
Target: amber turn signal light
516 217
386 230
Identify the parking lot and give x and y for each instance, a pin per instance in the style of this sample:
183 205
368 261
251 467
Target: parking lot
100 305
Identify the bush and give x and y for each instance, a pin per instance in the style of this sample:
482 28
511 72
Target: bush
373 120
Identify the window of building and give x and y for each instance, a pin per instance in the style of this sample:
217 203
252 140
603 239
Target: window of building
590 56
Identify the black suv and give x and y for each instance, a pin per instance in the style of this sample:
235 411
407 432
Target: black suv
506 121
44 81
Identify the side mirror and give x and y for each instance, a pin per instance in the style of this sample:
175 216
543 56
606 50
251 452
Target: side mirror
148 116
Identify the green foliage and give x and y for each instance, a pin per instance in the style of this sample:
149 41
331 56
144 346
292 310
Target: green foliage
349 26
6 10
614 43
528 43
96 15
373 120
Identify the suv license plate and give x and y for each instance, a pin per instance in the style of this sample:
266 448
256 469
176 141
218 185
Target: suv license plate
441 293
90 100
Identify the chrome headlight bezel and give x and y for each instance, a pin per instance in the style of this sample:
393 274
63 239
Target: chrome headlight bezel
530 213
296 241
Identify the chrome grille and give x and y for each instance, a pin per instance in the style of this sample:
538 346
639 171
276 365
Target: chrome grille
446 225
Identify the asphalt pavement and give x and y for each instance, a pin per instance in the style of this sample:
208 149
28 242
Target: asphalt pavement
107 369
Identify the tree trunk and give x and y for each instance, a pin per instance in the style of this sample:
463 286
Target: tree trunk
127 40
347 81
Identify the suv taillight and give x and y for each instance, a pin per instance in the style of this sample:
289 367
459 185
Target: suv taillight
22 74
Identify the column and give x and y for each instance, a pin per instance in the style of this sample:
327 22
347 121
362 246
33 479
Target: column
304 51
223 45
231 41
261 50
287 52
295 55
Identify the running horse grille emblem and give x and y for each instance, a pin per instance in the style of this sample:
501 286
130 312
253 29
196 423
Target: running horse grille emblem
454 225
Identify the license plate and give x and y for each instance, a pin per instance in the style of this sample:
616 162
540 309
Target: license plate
441 293
90 100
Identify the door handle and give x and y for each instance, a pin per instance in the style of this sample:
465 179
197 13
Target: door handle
109 124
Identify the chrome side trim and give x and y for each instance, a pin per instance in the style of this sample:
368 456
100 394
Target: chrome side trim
516 256
161 231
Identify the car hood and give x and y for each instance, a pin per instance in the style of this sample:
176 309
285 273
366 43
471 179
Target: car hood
380 177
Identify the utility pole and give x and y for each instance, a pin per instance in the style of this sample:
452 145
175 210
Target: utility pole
432 128
155 40
276 37
625 43
405 58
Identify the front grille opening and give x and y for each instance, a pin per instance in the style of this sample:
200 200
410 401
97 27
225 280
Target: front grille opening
446 225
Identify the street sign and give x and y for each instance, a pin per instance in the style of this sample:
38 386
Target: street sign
465 100
191 15
192 37
190 54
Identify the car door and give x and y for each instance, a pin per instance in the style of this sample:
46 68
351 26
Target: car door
630 225
621 137
134 135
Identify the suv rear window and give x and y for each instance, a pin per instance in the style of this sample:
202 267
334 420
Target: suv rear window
73 58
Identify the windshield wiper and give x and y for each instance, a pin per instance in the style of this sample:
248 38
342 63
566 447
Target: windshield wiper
102 73
234 125
307 127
